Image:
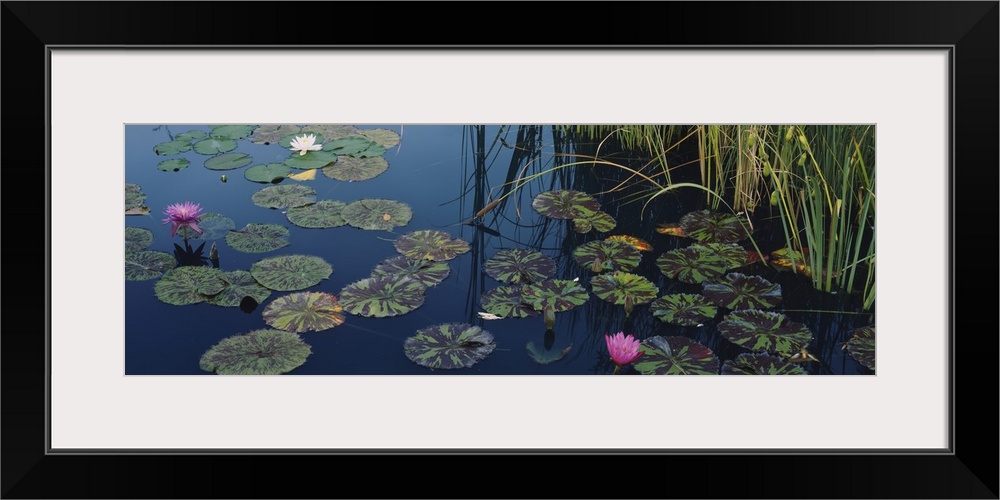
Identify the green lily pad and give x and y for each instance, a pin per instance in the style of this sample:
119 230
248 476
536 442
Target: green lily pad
311 160
284 196
258 238
607 255
449 346
356 169
213 146
270 173
685 309
387 138
331 132
239 284
189 285
428 273
738 291
599 220
376 214
518 265
260 352
713 227
234 132
134 197
430 244
137 238
560 295
228 161
675 356
861 346
692 264
270 134
507 302
565 204
144 265
304 312
734 255
173 165
289 273
382 296
543 357
213 226
322 214
191 135
172 148
761 363
763 331
356 146
624 289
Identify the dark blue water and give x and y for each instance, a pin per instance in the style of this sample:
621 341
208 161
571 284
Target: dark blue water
445 173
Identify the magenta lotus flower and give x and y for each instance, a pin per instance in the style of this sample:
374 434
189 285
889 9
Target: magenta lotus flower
183 215
624 349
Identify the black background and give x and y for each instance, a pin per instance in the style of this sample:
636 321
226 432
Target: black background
971 472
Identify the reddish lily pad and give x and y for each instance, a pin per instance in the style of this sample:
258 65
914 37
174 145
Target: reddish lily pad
239 285
449 346
519 265
735 255
607 255
675 356
189 285
738 291
685 309
761 363
428 273
430 244
304 312
624 289
258 238
506 302
284 196
377 214
560 295
763 331
144 265
565 204
322 214
861 346
382 296
260 352
692 265
288 273
636 243
713 227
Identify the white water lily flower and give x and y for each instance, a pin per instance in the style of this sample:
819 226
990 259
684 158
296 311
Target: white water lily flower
305 143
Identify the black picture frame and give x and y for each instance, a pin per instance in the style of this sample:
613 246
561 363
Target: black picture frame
970 29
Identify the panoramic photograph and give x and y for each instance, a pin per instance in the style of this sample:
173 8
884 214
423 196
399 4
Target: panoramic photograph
454 249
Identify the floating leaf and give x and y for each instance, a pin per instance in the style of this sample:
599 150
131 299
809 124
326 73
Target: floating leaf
134 197
604 255
507 302
598 220
322 214
760 363
284 196
268 134
331 132
734 255
714 227
763 331
239 285
545 357
191 135
308 175
137 238
233 132
260 352
353 146
258 238
387 138
692 264
382 296
172 148
636 243
675 356
671 229
140 210
518 265
449 346
560 295
270 173
430 244
212 146
144 265
565 204
228 161
624 289
213 226
738 291
686 309
288 273
304 312
312 159
173 165
428 273
861 346
369 213
189 285
356 169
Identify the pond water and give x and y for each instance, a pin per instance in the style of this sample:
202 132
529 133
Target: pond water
444 175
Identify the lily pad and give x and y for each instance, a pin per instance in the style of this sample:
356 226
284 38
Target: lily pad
213 226
233 132
239 285
228 161
356 169
861 346
761 363
173 165
675 356
258 238
260 352
387 138
147 264
355 146
519 265
565 204
430 244
507 302
599 220
213 146
763 331
288 196
636 243
428 273
560 295
172 148
322 214
270 134
189 285
604 255
685 309
191 135
377 214
735 255
134 197
331 132
671 229
312 159
713 227
289 273
738 291
270 173
382 296
449 346
692 264
137 238
543 357
304 312
624 289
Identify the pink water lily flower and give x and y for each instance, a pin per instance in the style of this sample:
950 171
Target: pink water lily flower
183 215
305 143
623 349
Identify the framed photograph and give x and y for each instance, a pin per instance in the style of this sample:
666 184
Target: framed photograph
383 253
